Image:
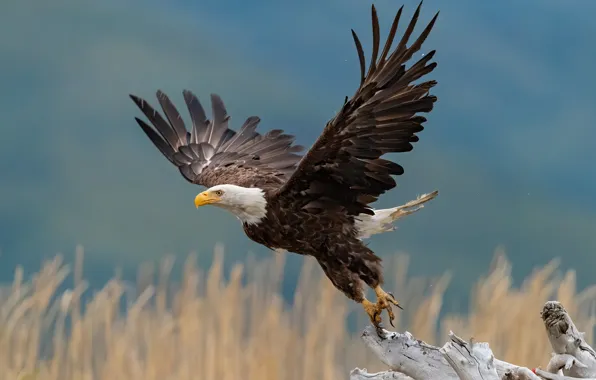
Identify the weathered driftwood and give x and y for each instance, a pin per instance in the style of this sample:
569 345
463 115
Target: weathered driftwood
572 355
404 353
551 376
470 360
362 374
410 358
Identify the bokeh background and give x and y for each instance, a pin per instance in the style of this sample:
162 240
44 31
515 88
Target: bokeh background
509 144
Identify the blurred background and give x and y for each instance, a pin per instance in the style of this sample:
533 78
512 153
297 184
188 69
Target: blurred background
509 144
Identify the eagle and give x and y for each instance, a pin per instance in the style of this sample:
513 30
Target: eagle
316 203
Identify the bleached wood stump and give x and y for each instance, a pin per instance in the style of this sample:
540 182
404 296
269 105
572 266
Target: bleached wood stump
413 359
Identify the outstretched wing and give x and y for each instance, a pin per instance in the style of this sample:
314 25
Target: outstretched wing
343 169
211 153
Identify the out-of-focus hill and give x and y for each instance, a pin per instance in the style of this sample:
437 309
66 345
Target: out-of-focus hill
509 144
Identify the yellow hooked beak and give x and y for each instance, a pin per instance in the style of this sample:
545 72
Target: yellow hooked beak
205 198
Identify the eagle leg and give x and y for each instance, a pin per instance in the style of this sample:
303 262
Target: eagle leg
412 206
384 302
373 311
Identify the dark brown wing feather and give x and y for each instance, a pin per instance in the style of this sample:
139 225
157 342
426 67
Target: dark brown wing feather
343 169
211 153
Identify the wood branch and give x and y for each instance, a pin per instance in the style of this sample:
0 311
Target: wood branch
563 361
362 374
470 360
551 376
520 373
573 356
411 358
457 359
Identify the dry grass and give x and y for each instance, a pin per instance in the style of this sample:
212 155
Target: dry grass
209 328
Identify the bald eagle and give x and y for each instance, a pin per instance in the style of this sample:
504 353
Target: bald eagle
318 203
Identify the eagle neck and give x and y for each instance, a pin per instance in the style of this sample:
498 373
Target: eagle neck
250 206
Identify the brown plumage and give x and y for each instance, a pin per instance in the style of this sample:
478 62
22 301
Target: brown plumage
317 204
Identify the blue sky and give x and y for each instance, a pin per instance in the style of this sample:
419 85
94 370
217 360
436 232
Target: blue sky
509 144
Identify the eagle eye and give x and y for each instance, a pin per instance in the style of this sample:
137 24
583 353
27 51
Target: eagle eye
219 193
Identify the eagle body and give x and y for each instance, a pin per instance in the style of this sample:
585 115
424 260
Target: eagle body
316 203
336 246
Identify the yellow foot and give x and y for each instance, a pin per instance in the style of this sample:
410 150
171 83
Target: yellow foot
384 302
373 311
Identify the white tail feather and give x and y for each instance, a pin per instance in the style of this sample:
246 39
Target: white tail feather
382 220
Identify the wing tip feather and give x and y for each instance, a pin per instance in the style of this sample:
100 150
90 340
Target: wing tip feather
137 100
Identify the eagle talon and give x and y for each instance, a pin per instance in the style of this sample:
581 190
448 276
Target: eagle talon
373 311
393 300
385 301
380 331
390 313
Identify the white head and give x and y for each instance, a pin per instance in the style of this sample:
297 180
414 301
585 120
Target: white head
247 203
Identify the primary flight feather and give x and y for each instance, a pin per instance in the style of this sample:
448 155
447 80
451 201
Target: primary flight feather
317 204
